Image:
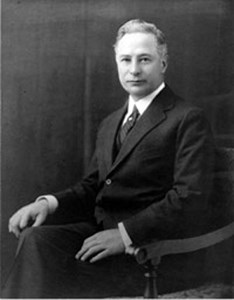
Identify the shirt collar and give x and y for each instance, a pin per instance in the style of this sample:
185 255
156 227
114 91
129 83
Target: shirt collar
143 103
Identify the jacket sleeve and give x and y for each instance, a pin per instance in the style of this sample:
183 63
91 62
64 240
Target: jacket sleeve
182 212
79 200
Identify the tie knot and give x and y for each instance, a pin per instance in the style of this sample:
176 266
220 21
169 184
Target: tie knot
134 115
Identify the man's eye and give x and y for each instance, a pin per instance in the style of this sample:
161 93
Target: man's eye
125 59
145 59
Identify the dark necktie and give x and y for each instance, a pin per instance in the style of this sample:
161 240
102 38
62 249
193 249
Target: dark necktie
127 127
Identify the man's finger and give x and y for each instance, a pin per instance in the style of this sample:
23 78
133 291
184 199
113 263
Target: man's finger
39 220
13 225
99 256
24 221
14 220
86 246
82 251
90 252
10 226
16 231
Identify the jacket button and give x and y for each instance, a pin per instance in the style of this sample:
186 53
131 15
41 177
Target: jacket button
108 181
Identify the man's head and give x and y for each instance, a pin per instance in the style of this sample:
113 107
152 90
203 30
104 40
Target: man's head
141 56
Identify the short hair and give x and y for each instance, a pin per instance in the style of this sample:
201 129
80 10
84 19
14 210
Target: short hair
138 25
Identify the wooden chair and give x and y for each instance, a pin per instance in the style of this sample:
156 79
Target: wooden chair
223 213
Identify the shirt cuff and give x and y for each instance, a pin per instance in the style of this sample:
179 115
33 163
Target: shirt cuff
129 248
52 202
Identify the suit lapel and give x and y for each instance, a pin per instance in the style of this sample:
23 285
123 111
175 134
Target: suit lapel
109 141
154 115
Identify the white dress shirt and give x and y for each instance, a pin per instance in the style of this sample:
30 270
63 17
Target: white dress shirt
141 104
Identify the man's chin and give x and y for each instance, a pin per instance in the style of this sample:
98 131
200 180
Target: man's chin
136 94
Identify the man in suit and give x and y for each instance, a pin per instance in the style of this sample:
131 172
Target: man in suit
149 178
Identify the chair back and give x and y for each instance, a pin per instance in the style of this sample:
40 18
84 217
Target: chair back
222 200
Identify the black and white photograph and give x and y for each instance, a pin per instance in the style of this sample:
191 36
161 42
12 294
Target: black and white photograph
117 149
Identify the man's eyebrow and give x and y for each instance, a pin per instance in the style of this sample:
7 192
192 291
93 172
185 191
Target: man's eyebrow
145 54
121 55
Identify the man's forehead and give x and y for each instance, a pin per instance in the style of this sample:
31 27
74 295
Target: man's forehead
140 41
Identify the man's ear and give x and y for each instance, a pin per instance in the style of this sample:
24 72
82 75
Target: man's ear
164 64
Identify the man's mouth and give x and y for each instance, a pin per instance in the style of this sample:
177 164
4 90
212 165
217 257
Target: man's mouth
135 81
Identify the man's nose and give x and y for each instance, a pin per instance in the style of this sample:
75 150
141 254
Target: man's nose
135 68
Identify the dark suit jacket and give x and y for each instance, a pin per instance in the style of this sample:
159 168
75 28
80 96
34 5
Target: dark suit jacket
158 185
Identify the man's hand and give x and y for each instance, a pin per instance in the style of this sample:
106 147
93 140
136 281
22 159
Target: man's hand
36 212
100 245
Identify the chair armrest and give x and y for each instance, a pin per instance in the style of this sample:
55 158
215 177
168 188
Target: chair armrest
157 249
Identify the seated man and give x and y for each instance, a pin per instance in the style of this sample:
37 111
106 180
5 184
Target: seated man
150 178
